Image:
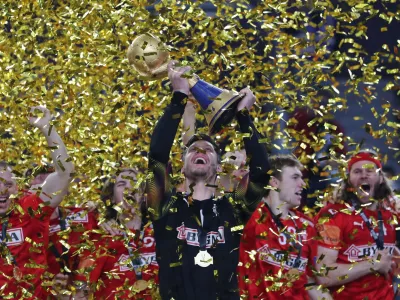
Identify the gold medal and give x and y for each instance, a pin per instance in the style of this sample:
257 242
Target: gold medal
140 285
17 273
203 259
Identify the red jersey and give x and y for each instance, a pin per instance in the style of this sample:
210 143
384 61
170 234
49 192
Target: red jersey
266 256
113 274
77 222
345 231
27 239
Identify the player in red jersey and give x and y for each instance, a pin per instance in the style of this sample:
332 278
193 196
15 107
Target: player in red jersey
70 227
25 221
358 234
124 265
278 248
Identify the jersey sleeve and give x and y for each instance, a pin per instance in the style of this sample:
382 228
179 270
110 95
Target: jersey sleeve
312 244
98 265
250 190
329 225
247 269
158 185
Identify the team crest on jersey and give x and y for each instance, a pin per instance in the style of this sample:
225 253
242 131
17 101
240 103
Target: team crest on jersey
191 237
144 259
277 258
357 253
15 236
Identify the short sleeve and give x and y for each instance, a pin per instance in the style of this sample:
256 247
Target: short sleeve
329 227
247 268
312 244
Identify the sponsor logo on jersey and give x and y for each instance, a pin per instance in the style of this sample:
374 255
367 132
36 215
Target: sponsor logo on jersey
15 236
145 259
78 217
357 253
280 258
360 224
192 238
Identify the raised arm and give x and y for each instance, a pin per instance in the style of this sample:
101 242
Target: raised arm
189 122
162 139
56 185
253 192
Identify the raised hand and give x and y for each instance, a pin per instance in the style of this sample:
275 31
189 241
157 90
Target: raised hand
111 227
178 80
248 100
40 117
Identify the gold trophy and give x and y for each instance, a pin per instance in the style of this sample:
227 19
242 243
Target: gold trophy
149 56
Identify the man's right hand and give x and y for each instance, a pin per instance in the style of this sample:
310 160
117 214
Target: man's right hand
384 265
111 227
178 83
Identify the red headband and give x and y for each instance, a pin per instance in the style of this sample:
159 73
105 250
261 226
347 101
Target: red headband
363 156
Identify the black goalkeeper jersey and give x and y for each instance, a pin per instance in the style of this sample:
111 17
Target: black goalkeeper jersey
177 220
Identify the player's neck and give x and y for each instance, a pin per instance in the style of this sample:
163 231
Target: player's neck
199 190
277 206
370 205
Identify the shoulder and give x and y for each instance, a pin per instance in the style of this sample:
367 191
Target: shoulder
260 218
303 219
333 210
30 200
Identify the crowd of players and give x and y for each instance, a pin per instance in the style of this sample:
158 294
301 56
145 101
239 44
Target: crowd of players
160 241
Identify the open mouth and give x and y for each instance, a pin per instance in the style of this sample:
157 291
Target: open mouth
3 199
298 193
200 161
365 187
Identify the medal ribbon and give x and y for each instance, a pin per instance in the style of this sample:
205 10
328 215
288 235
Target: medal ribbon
281 228
62 258
4 242
135 262
202 234
378 238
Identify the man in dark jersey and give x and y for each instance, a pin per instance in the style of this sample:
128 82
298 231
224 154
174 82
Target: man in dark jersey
197 234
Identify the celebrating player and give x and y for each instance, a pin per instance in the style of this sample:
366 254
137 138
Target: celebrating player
358 234
25 221
197 234
278 248
124 265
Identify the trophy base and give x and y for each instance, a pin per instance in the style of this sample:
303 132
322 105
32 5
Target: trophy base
225 115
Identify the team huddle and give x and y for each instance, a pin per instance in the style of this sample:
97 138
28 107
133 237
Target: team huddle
157 240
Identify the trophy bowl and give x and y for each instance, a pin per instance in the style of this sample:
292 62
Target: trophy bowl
149 57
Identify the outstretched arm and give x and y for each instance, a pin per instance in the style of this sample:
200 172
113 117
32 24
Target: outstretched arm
253 192
56 185
162 139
